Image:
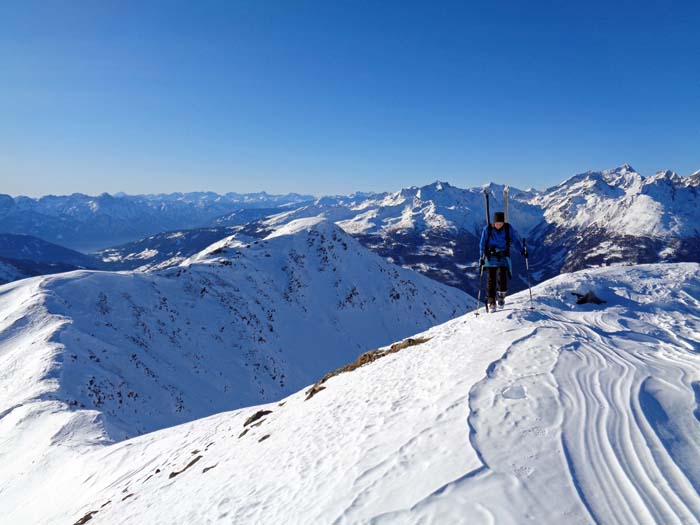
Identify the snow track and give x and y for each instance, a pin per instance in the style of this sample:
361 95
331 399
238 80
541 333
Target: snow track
621 391
611 391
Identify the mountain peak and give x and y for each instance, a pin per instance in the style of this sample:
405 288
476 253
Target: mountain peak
665 175
694 179
438 185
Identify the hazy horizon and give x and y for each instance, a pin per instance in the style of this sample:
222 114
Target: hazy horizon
359 190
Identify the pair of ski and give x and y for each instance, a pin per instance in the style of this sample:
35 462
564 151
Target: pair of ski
506 191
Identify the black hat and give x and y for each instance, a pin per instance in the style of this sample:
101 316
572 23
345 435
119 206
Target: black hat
499 216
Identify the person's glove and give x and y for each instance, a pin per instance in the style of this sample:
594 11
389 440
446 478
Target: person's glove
523 252
482 260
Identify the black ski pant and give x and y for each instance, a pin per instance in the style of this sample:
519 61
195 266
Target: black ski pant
500 273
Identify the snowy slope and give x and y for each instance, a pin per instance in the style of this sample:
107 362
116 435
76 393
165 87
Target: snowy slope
565 414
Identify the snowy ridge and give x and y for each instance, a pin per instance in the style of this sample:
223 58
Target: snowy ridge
566 414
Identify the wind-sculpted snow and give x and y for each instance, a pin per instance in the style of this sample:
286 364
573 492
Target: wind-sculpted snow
563 414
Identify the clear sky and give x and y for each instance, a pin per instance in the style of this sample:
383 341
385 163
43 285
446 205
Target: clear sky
332 96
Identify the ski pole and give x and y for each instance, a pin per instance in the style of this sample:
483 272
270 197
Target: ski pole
481 284
527 266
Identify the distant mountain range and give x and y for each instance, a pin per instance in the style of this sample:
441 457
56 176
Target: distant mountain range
596 218
88 223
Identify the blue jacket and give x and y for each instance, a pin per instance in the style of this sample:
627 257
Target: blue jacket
498 239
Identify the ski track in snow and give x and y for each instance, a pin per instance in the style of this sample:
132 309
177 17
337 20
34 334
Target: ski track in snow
565 414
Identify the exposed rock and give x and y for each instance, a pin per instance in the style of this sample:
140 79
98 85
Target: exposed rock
364 359
588 297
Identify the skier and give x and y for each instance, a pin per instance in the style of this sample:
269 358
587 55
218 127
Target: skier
496 240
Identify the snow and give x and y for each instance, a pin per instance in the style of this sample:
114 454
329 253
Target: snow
563 414
144 254
606 248
666 253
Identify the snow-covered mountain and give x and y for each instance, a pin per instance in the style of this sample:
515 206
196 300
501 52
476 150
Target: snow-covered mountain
234 326
562 414
89 223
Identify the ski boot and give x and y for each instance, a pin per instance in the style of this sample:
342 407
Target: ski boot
491 304
501 299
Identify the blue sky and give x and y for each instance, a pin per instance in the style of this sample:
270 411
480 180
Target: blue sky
332 96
